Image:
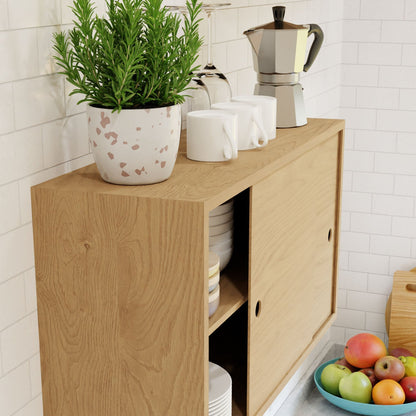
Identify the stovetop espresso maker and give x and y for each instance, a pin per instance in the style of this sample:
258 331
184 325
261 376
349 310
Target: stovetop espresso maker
279 50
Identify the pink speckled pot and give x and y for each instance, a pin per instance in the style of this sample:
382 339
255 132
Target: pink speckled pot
134 147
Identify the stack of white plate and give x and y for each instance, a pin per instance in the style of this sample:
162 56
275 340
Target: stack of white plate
220 393
221 221
213 282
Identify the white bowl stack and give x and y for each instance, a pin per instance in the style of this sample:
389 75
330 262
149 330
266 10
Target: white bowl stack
221 222
213 283
220 391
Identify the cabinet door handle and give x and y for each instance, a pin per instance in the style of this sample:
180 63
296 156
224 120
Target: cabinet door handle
258 308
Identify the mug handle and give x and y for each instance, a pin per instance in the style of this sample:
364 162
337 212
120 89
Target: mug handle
234 150
263 132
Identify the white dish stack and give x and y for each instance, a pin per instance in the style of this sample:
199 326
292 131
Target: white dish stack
221 223
213 282
220 391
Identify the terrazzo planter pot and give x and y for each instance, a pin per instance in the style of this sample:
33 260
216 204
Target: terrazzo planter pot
134 147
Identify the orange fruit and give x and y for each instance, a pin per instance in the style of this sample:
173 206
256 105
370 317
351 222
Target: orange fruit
388 392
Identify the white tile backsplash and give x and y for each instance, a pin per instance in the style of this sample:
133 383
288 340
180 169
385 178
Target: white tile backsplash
398 31
33 408
379 98
405 185
45 94
376 141
360 75
225 25
16 252
64 139
406 142
358 161
371 223
6 108
393 205
12 301
410 10
349 280
375 321
30 291
365 73
372 182
19 342
379 53
381 284
368 302
351 241
362 30
395 163
19 51
405 227
34 13
35 376
9 207
397 76
15 390
382 10
390 246
47 64
4 15
21 154
407 99
356 202
349 318
369 263
409 53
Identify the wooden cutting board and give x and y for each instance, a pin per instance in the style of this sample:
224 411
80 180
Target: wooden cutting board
401 311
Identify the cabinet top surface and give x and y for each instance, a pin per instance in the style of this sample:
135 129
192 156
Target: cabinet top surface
209 183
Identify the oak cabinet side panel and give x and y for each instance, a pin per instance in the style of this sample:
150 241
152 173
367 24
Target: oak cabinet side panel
122 316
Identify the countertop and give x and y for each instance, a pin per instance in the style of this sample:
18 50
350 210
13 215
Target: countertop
305 399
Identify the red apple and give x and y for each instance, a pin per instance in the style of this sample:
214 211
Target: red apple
363 350
345 363
369 372
389 367
409 386
403 352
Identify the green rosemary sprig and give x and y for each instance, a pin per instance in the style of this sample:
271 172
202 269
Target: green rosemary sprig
138 56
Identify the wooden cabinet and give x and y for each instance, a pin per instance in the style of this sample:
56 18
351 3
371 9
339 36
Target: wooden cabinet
122 279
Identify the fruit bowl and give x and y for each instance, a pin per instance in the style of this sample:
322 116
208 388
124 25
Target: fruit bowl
360 408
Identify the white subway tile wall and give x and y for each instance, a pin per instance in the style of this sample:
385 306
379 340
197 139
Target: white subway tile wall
366 72
378 90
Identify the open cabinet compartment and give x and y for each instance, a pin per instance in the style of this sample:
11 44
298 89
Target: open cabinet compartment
228 326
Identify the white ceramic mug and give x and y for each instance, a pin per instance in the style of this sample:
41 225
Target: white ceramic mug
251 133
267 106
211 136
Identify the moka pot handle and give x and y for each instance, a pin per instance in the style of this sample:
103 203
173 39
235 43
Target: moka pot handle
316 45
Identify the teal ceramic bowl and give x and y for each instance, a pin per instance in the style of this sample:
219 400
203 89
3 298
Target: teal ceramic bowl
360 408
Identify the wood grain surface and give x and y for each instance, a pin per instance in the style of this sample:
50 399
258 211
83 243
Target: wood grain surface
292 272
122 304
212 183
402 322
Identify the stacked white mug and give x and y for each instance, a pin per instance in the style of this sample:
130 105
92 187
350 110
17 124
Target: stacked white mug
216 135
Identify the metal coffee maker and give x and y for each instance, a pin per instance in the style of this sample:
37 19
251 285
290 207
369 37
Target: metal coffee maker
279 50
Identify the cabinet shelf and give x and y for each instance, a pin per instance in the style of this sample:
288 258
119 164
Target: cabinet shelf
232 296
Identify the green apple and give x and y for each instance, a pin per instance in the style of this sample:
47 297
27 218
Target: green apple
356 387
409 365
331 375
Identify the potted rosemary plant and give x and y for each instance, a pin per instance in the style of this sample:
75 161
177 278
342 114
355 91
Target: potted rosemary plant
131 67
